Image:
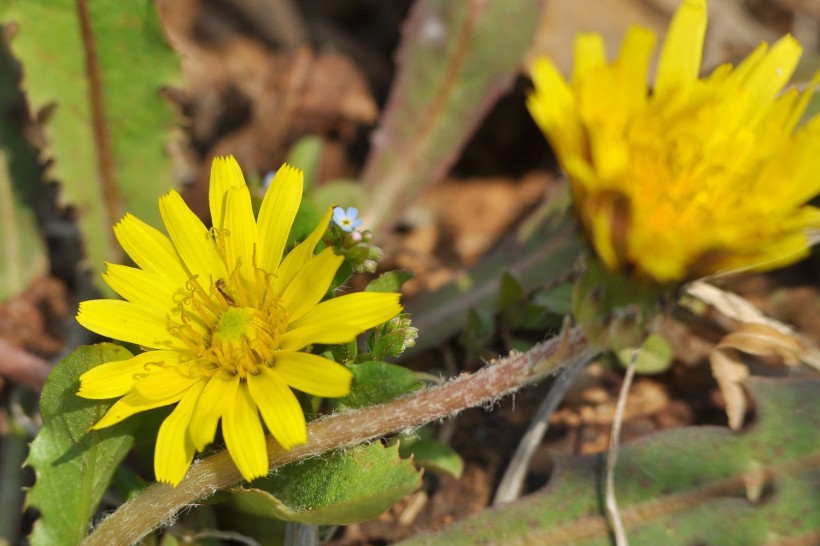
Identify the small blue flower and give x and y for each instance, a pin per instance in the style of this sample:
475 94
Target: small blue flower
347 220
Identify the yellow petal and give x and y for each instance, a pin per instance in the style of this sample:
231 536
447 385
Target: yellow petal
191 239
167 383
114 379
633 69
279 207
174 450
213 402
142 287
279 407
240 239
364 309
682 51
770 76
553 107
312 282
225 174
299 256
150 249
589 57
244 436
312 374
127 322
319 332
130 404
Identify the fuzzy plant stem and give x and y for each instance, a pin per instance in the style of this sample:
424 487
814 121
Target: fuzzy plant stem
158 504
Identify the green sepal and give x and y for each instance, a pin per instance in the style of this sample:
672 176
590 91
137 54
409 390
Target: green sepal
392 338
614 311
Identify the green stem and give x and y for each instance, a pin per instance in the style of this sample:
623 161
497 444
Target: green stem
158 504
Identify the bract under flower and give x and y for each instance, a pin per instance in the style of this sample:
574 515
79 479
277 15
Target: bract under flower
225 317
698 176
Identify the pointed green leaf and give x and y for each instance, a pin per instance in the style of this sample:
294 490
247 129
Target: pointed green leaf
98 68
340 487
509 292
695 485
74 465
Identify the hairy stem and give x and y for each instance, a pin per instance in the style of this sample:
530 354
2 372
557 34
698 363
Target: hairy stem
159 503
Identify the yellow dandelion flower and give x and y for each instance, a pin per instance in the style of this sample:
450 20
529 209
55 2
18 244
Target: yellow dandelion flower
225 318
698 176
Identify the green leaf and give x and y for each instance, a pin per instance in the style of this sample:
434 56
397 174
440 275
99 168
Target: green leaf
340 487
655 355
73 464
433 455
557 300
307 218
509 292
377 382
392 338
390 281
455 60
98 67
22 250
696 485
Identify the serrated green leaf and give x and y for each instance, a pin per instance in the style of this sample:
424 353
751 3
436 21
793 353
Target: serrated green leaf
73 465
23 254
680 487
99 67
433 455
390 281
377 382
655 355
340 487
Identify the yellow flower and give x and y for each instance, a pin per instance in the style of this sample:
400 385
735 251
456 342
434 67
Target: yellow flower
698 176
225 318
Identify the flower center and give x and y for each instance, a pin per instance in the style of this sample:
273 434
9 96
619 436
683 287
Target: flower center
245 339
228 328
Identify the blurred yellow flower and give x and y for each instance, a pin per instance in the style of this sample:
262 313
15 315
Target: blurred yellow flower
696 176
225 318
